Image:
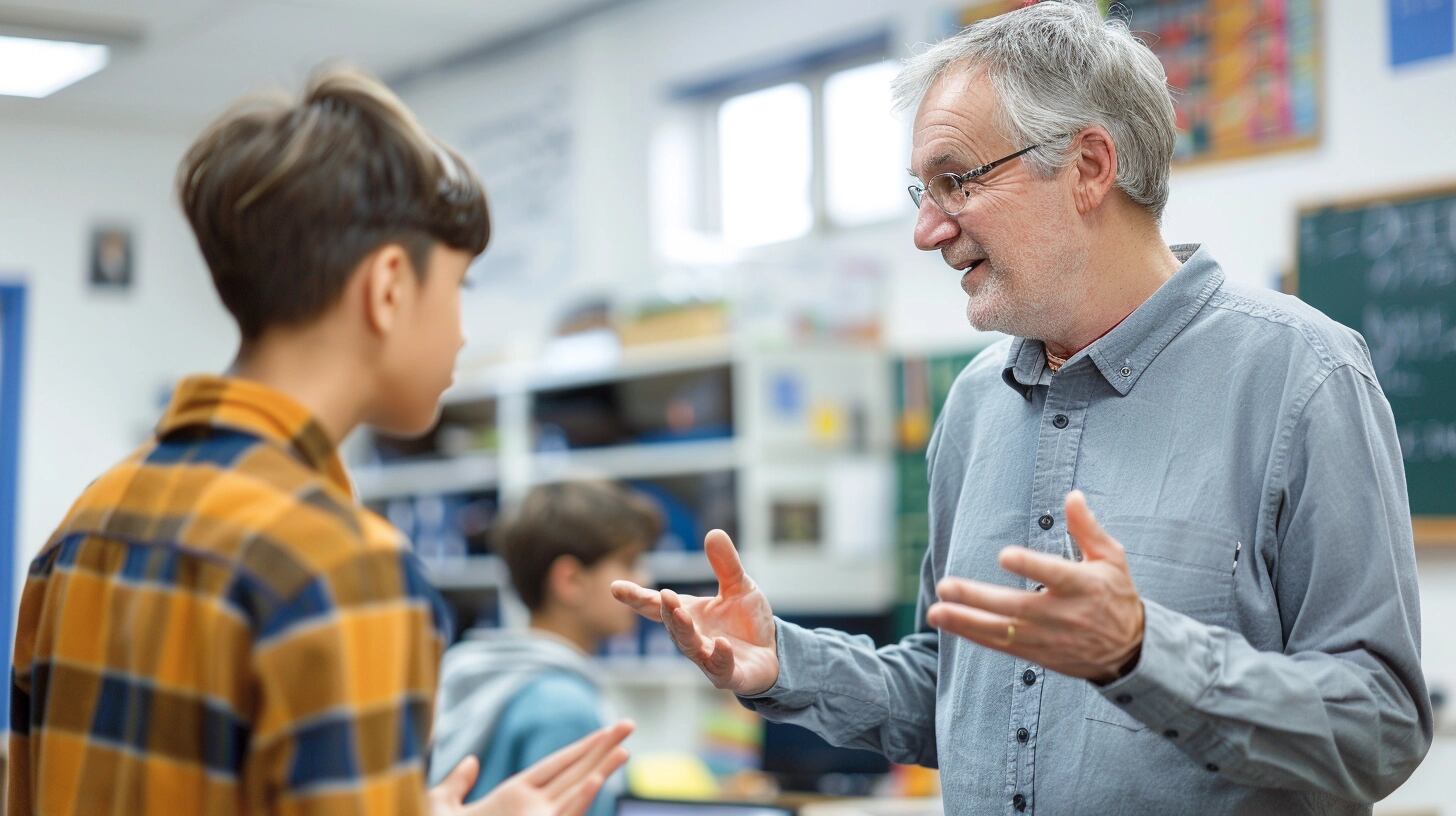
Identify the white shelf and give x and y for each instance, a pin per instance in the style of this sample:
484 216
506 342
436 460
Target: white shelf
636 461
455 475
679 567
473 573
483 572
630 364
650 672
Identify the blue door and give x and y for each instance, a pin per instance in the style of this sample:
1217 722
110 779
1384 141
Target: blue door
12 358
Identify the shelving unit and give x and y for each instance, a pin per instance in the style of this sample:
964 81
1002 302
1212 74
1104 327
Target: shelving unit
768 436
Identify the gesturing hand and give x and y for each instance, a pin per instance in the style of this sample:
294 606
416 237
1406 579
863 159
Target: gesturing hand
730 636
1087 623
563 784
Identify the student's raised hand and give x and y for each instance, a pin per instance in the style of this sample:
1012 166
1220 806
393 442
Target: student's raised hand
563 784
730 636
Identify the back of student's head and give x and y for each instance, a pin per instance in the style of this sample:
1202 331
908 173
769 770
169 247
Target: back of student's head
585 520
286 196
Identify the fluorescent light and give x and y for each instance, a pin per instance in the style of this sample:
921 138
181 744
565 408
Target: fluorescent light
39 68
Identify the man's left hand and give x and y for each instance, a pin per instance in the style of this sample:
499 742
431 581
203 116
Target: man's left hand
1087 622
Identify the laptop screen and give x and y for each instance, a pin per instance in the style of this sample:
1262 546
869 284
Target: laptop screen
645 807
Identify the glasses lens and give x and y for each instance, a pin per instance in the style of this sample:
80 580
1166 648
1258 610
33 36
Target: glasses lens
947 191
915 194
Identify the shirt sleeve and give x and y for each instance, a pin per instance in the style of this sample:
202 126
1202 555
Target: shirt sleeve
1343 709
346 671
854 695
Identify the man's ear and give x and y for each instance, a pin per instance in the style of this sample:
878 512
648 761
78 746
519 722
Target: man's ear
1094 168
563 580
386 274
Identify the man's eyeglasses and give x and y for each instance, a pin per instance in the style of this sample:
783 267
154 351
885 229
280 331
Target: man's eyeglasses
948 190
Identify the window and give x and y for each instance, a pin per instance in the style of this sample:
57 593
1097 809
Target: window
809 146
765 165
864 146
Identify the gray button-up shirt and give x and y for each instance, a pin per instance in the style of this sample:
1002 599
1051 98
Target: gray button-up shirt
1237 444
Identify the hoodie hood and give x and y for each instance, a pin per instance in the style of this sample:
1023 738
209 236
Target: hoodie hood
480 676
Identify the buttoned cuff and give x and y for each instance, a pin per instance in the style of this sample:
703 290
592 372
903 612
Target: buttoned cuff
797 687
1178 664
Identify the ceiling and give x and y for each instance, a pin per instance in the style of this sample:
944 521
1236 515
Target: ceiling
175 63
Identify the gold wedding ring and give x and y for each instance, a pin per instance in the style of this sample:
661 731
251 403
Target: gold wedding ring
1010 633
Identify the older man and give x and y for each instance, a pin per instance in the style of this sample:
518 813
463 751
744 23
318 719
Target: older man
1239 631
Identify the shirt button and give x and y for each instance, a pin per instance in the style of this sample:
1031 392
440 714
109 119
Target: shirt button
1060 421
1022 735
1028 677
1211 767
1046 522
1171 733
1126 372
1019 802
1124 699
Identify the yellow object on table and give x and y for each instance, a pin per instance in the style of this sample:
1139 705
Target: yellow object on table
670 776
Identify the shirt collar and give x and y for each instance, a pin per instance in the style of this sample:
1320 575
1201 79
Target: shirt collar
1123 354
253 408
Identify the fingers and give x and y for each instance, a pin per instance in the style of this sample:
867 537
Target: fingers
1056 572
986 628
564 763
1096 544
1012 603
723 556
578 799
719 664
644 602
458 783
597 757
682 630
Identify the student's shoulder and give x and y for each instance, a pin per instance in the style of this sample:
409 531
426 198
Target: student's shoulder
558 696
248 507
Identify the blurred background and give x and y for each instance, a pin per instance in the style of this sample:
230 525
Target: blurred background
701 282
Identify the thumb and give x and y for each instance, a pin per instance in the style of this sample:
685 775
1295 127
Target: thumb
1094 541
723 557
454 787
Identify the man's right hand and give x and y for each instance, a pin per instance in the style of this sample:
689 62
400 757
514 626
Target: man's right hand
730 636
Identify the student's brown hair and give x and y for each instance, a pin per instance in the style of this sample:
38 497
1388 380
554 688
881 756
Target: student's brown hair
286 196
586 520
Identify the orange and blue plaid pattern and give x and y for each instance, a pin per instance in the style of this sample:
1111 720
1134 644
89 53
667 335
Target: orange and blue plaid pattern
218 627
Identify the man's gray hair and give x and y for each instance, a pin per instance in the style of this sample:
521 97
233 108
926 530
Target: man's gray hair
1057 68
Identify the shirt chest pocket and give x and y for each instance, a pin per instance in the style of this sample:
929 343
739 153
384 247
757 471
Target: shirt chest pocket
1181 565
1184 566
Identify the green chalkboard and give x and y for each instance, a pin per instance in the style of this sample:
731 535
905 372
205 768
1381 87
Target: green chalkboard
1386 267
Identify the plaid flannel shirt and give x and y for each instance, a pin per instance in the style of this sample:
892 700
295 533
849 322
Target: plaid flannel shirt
218 627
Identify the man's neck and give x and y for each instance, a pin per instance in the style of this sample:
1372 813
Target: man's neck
311 368
1120 278
566 628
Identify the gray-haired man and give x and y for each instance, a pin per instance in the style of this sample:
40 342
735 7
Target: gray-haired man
1239 632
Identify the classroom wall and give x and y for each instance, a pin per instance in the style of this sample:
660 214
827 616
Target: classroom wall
98 362
1383 129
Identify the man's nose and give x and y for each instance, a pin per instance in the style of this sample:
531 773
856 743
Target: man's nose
933 228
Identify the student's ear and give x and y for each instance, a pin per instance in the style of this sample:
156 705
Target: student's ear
386 274
1094 168
563 580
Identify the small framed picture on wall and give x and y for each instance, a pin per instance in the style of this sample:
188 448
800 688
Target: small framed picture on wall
111 258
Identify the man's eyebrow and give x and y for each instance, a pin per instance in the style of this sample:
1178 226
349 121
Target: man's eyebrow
934 162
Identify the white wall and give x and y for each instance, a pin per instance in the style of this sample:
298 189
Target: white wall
96 362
